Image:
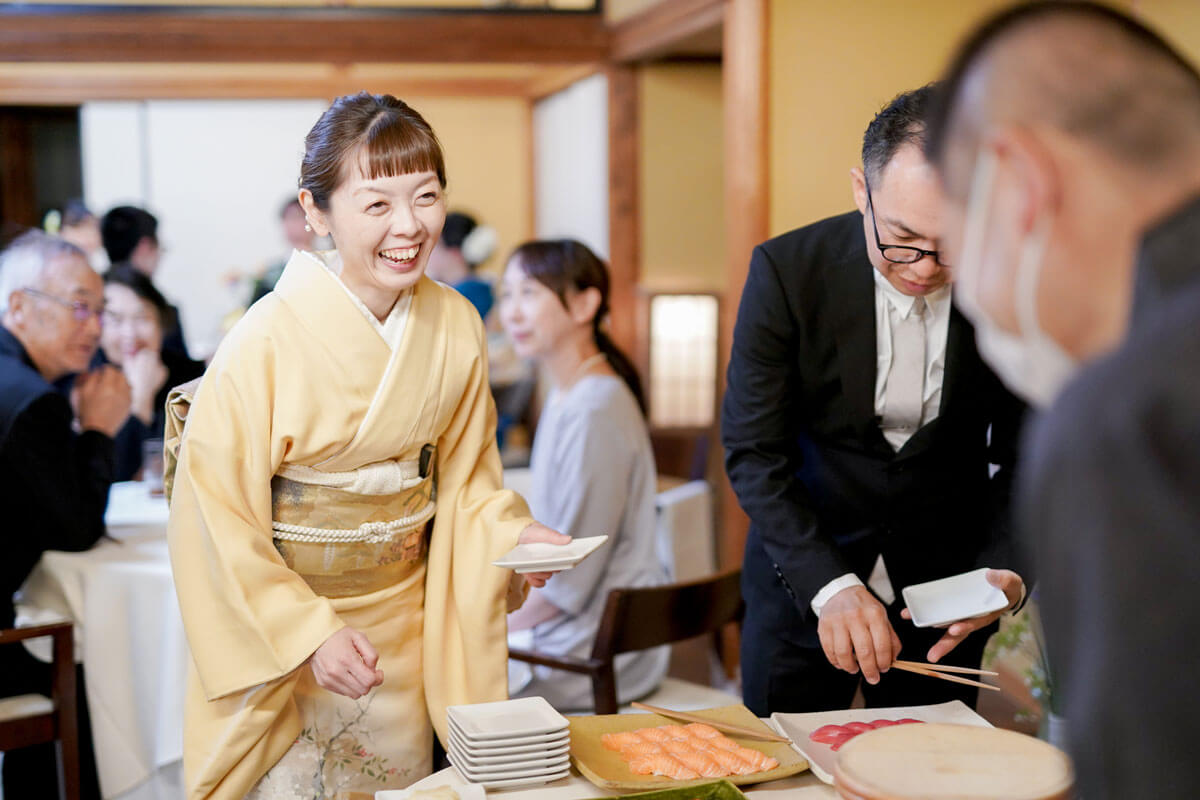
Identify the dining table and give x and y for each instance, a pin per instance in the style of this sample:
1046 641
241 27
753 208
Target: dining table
129 636
804 786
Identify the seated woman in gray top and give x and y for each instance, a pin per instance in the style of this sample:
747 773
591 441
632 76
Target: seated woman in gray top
593 469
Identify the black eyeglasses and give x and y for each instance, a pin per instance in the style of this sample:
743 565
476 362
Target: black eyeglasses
80 310
898 253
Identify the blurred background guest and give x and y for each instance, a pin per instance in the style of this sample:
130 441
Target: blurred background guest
53 482
130 234
299 235
592 466
465 244
1074 197
132 339
76 224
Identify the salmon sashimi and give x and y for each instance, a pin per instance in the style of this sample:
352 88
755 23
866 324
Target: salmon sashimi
665 765
703 763
699 729
640 748
756 759
655 734
733 763
619 741
677 747
685 752
723 743
677 732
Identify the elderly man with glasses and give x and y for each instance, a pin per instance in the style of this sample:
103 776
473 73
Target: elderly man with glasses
867 441
56 453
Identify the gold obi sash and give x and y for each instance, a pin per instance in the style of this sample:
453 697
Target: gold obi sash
352 533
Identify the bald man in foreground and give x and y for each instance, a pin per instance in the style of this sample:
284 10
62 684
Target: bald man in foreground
1069 145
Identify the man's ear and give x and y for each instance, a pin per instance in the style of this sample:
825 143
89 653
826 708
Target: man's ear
858 184
1037 177
313 215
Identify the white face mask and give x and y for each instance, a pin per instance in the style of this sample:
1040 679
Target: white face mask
1031 364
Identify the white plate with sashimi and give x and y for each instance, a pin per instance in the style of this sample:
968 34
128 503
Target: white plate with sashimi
820 734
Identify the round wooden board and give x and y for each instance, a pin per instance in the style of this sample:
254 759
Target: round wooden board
936 761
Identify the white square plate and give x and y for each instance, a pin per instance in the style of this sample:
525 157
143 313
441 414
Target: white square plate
950 599
477 759
534 780
543 557
504 721
514 769
451 778
501 747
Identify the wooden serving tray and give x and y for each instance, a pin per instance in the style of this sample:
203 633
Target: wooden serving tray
936 761
608 770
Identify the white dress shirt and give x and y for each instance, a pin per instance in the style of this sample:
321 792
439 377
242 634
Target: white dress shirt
891 307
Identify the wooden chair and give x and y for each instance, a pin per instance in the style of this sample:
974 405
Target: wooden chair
33 719
638 619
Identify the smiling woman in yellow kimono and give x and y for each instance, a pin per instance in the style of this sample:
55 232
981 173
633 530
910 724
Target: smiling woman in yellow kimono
337 501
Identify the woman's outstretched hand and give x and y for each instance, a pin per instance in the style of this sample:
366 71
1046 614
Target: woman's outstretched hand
346 664
537 532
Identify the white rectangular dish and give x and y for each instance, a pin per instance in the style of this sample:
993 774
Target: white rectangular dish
514 782
484 759
507 720
511 770
543 557
950 599
822 757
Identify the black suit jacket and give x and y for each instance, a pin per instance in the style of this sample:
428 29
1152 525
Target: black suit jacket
825 492
53 483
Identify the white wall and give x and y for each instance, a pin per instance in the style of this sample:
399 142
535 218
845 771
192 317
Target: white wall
570 136
215 173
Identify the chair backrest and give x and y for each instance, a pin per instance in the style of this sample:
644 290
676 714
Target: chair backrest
638 619
684 519
59 721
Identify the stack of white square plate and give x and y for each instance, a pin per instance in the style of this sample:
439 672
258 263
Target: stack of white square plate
512 743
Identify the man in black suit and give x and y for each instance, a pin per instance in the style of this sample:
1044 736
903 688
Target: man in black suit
1078 178
53 481
862 432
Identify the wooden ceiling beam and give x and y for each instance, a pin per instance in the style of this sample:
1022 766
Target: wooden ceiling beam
653 32
340 38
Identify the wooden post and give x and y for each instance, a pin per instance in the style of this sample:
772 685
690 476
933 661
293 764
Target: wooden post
746 200
624 231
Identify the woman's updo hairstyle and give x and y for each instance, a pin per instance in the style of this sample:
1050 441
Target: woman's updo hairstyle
387 135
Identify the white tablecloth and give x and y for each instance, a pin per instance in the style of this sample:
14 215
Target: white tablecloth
801 787
130 637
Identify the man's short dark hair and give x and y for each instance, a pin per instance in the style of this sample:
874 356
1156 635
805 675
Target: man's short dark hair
122 229
900 122
1082 117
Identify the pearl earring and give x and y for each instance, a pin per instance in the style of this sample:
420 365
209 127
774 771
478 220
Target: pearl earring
308 227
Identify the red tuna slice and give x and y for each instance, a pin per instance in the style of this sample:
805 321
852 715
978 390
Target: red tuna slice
828 734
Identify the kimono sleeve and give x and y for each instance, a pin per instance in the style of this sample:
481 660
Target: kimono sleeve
466 650
249 619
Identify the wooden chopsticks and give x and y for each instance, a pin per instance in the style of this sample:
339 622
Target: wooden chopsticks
939 671
736 730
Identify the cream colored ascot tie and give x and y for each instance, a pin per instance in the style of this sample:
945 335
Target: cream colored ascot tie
905 396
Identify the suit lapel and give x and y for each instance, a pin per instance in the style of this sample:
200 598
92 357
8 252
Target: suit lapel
852 296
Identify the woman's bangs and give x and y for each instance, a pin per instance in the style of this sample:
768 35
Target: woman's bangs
400 149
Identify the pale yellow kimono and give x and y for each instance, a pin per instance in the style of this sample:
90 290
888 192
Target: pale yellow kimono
306 379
